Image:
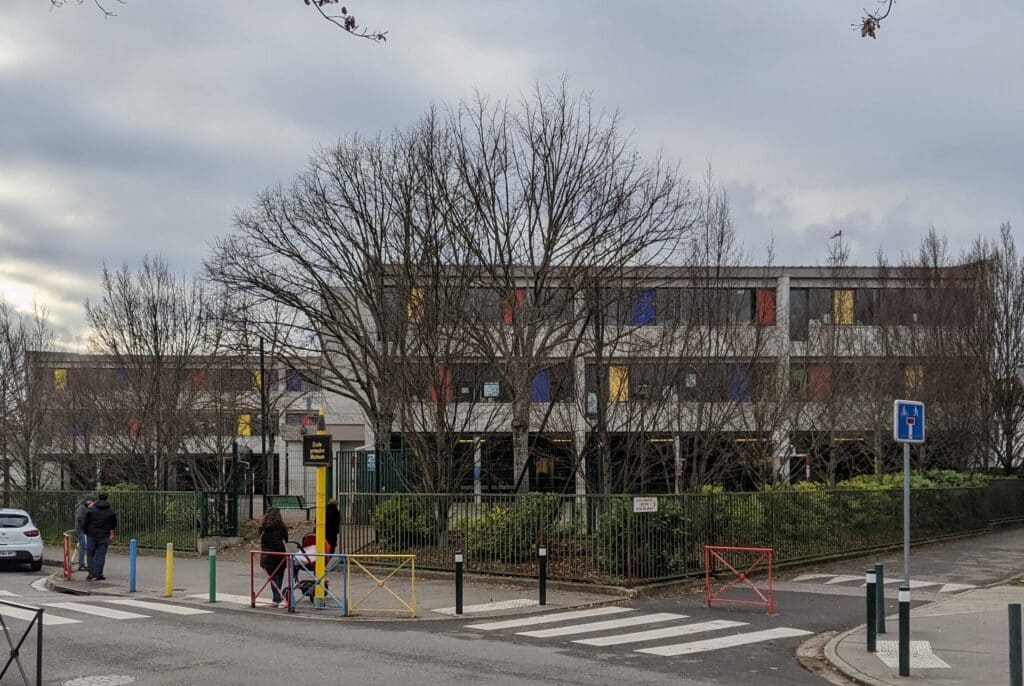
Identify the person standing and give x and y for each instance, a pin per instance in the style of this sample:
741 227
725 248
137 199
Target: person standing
333 525
273 537
100 522
83 542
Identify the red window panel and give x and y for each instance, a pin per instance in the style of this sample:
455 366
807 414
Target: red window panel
199 378
308 420
133 427
766 306
441 389
819 381
518 296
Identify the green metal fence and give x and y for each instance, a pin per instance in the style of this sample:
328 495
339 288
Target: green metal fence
154 519
601 538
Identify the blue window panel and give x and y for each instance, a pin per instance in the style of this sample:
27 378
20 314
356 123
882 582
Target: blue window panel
293 380
120 374
540 388
739 382
643 309
76 430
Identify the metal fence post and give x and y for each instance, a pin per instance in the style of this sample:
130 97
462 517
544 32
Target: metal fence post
1016 671
39 647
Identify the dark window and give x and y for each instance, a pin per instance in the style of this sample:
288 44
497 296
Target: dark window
865 305
13 521
819 305
798 314
741 305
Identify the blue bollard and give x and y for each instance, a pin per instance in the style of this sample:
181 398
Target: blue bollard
132 549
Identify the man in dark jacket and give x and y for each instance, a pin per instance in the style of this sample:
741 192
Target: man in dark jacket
100 522
83 541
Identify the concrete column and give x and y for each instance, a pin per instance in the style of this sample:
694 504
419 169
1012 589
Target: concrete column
677 451
782 449
579 440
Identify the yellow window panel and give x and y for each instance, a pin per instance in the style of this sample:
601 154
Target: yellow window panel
257 380
842 306
60 379
913 377
245 425
415 308
618 384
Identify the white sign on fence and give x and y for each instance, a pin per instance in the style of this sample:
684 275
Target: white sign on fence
645 504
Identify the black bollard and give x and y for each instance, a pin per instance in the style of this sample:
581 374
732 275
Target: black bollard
542 553
880 598
458 582
872 612
1016 671
904 640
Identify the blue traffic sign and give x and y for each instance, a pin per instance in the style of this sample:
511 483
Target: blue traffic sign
907 421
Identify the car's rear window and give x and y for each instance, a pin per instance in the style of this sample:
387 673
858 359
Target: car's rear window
12 521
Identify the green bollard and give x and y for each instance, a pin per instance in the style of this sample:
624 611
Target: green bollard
213 574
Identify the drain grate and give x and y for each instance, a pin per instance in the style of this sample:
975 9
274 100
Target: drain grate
102 680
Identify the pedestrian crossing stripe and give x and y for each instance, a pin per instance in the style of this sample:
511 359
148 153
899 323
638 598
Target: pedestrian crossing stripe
603 626
96 610
8 594
28 616
233 598
548 619
723 642
491 607
653 634
158 607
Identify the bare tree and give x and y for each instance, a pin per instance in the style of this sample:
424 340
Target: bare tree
339 17
152 325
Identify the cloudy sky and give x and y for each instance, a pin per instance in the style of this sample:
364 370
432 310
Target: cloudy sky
142 133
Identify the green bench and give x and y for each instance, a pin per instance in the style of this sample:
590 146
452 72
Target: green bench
289 502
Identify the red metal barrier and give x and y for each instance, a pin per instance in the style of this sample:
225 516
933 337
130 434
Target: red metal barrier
67 553
718 553
286 560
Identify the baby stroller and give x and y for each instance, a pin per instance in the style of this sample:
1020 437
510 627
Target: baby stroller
306 560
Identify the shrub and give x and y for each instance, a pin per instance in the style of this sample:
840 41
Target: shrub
647 544
510 533
403 522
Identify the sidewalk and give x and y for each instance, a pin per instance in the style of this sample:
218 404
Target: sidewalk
967 633
434 594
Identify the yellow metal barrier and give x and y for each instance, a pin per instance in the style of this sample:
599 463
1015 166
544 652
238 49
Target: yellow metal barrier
382 582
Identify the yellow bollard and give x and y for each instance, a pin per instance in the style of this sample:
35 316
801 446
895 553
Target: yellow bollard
169 572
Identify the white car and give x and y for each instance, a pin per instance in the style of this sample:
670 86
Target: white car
20 540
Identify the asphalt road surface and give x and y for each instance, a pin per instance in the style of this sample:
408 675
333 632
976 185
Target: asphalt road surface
673 640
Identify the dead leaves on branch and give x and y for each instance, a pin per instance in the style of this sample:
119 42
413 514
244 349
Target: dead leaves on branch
345 20
872 21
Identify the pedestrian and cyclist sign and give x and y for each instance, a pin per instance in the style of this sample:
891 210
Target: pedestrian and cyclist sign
907 421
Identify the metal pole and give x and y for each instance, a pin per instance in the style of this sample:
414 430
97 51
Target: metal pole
906 515
880 599
321 517
39 648
904 638
543 553
263 421
169 571
1016 672
872 612
458 582
213 574
233 505
132 552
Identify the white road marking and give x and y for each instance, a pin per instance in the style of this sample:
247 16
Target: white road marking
28 615
40 584
548 619
670 632
723 642
811 577
843 578
158 607
8 594
96 610
233 598
602 626
953 588
491 607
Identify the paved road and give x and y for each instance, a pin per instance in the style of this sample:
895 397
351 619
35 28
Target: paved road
658 641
